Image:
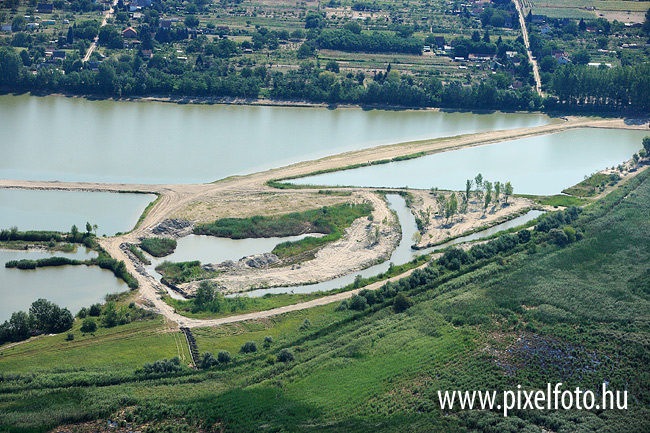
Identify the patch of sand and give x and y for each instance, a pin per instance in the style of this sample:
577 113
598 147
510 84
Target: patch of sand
356 250
440 229
233 204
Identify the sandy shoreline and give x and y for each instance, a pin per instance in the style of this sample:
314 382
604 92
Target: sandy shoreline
206 201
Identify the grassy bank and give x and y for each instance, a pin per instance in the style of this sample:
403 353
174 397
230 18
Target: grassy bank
574 313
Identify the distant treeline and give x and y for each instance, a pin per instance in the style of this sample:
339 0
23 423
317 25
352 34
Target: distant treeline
571 87
609 88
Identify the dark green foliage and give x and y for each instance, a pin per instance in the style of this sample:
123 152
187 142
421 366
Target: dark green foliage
159 247
285 355
183 272
248 347
31 236
223 357
164 366
358 303
558 219
89 325
138 253
118 268
69 337
208 360
40 263
95 310
44 316
375 42
402 302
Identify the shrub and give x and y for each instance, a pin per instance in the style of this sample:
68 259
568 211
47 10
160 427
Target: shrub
69 337
89 325
249 347
285 355
159 247
271 359
342 306
223 357
82 313
306 324
162 366
208 360
358 303
559 237
402 302
95 310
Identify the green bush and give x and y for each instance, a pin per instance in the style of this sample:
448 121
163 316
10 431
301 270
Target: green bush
223 357
88 326
358 303
248 347
285 355
159 247
402 302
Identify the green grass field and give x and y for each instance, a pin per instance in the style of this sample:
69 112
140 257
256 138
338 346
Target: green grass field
576 314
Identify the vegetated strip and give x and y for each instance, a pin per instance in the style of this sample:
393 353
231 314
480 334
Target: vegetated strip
147 209
213 305
159 247
104 260
183 272
278 183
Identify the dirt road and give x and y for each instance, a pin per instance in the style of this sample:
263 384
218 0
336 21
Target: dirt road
107 15
531 60
176 197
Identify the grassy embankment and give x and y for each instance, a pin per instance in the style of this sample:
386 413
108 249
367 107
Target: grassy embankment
535 314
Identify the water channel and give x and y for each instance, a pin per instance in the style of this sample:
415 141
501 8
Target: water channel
402 254
542 165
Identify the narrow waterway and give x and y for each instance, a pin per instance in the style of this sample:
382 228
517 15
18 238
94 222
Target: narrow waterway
402 254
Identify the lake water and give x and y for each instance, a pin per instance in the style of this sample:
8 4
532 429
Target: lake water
73 139
59 210
542 165
67 286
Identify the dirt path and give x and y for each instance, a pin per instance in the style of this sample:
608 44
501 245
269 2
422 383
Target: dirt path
92 47
176 197
524 32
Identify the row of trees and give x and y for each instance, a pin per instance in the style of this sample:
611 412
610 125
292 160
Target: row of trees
43 317
484 191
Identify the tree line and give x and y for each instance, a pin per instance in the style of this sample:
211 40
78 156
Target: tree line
43 317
